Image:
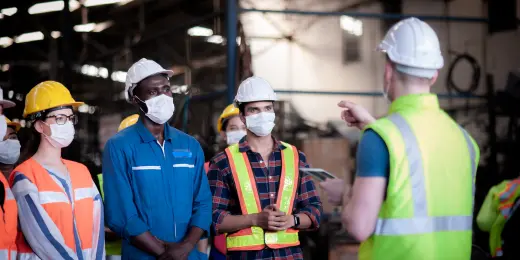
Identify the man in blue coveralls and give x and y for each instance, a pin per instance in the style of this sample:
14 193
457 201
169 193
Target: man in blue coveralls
157 196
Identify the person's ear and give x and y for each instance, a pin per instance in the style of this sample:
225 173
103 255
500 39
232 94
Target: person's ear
389 71
39 126
242 118
434 78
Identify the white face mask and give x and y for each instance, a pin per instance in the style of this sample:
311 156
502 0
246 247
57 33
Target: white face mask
261 124
9 151
233 137
160 108
61 135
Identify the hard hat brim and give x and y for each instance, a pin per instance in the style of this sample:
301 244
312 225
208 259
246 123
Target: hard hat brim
74 106
7 103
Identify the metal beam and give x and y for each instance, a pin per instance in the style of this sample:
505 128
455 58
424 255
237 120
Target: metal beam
231 24
368 94
467 19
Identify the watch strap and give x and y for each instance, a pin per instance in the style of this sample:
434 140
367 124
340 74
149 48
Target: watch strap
296 220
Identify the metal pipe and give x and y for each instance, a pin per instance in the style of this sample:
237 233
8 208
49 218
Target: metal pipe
185 114
369 94
231 24
467 19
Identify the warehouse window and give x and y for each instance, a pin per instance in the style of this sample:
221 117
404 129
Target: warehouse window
352 30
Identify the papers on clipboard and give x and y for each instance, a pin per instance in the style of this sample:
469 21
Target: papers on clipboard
318 174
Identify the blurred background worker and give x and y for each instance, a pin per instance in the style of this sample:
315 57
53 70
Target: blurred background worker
496 211
414 188
8 209
60 209
231 130
162 169
9 148
113 241
259 198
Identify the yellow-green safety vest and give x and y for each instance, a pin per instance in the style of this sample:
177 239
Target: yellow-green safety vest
112 247
255 238
495 212
427 213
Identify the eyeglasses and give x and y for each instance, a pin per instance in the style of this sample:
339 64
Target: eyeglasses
62 119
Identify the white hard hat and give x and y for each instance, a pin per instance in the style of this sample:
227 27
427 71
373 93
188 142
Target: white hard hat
255 89
414 47
140 70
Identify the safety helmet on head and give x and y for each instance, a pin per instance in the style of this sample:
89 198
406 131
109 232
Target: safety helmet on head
414 47
140 70
16 125
254 89
48 95
128 121
228 112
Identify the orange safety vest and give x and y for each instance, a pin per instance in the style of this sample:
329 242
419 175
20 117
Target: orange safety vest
59 209
255 238
8 223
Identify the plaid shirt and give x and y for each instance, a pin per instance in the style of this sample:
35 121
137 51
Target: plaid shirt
225 198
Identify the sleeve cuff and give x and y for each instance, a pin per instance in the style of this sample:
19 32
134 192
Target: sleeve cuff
134 227
219 217
315 223
200 223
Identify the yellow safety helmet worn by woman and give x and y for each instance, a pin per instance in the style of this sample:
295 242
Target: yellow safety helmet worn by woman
48 95
229 111
128 121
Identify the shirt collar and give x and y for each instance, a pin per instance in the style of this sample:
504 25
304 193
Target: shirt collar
243 145
147 136
415 101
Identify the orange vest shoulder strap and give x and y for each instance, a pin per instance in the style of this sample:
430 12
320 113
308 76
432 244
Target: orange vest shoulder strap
27 168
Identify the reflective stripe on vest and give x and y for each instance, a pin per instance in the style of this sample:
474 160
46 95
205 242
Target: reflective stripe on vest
8 223
254 238
421 223
75 220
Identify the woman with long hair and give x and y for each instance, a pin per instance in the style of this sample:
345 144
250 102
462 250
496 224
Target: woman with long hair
60 209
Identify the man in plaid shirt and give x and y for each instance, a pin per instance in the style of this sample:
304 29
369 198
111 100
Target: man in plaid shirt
263 155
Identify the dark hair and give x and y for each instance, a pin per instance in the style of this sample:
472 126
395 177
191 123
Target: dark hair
32 142
225 122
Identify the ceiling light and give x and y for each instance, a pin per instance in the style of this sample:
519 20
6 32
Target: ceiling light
55 34
89 3
119 76
216 39
29 37
83 108
88 27
200 31
102 26
6 42
9 11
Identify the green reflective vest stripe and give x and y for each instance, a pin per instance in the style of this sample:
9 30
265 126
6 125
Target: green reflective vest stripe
112 247
427 213
255 238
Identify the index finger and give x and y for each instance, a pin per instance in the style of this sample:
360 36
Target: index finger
346 104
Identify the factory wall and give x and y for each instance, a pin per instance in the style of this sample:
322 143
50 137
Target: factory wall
313 60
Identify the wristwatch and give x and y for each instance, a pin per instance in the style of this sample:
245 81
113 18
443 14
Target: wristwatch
296 220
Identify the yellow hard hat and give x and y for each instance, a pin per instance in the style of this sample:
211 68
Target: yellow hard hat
47 95
229 111
128 121
16 125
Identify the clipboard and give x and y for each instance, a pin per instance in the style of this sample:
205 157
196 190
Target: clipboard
318 173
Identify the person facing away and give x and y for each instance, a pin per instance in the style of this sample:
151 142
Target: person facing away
260 199
413 192
8 208
161 169
495 212
60 209
231 130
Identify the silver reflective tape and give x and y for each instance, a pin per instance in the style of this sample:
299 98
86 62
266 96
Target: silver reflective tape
422 225
84 193
4 254
472 155
52 197
10 195
415 165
